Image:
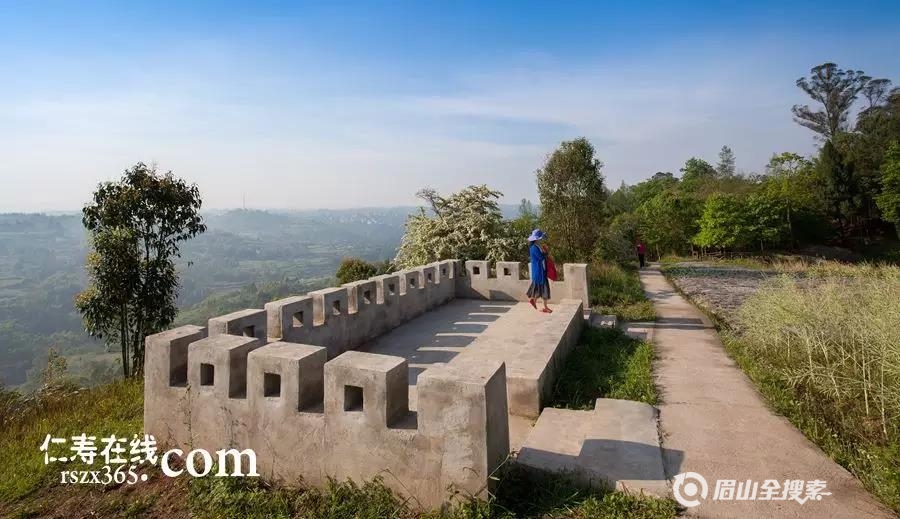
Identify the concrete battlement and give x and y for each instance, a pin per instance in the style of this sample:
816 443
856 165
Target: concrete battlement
287 382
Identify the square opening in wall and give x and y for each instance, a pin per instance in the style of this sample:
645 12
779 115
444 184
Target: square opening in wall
505 271
298 319
367 296
271 384
411 282
443 271
249 331
207 374
336 307
430 277
476 271
391 288
353 398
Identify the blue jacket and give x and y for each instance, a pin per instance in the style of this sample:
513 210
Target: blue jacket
538 264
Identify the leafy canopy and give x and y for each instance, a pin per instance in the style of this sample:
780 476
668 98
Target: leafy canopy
572 194
136 227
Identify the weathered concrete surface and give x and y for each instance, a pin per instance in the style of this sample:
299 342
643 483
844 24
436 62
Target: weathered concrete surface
615 445
532 344
714 423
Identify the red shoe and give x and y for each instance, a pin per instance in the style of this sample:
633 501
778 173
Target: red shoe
532 303
547 311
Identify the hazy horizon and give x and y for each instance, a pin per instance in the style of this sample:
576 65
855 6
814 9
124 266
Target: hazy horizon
339 107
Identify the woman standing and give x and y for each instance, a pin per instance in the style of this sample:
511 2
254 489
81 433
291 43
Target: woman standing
540 285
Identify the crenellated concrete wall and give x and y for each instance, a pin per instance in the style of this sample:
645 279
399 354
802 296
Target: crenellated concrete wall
306 417
346 317
285 381
507 282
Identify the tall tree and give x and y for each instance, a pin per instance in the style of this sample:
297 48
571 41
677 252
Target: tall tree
836 90
725 167
136 226
842 194
572 196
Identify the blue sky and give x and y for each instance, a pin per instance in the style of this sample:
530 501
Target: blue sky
343 104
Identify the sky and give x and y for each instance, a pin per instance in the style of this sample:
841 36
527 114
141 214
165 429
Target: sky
298 105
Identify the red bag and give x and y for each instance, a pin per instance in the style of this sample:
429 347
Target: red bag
551 270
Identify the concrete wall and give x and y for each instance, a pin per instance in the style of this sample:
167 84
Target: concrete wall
306 417
344 318
262 378
507 281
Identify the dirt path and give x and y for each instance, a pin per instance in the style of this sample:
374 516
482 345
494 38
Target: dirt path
715 424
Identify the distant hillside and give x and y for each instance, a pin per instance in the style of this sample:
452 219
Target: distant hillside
245 256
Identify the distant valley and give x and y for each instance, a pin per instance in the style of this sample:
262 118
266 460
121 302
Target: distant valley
246 257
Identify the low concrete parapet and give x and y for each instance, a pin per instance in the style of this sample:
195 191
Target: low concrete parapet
308 418
532 367
506 283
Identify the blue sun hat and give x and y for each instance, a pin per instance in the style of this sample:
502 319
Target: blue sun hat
536 235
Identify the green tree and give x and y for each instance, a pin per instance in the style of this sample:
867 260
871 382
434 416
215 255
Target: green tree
356 269
889 199
465 225
698 177
791 185
724 223
526 221
725 167
668 221
836 90
659 182
841 188
136 226
572 196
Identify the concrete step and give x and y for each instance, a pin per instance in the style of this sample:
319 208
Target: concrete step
615 445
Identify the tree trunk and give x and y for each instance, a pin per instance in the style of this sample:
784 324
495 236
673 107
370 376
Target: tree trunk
123 339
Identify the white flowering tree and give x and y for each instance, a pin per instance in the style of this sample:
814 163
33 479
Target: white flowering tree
465 225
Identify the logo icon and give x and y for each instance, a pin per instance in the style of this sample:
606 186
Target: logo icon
687 487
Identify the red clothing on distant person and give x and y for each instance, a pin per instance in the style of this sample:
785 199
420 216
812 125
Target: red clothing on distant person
641 248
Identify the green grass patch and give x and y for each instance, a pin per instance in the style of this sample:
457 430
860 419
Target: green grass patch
518 493
606 363
617 290
115 408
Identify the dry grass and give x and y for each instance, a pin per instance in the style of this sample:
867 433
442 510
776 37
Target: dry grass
825 347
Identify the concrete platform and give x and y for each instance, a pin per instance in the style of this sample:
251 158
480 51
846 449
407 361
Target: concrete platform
530 343
615 445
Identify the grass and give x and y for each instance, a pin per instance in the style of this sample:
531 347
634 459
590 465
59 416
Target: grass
826 349
115 408
606 363
617 290
822 344
518 494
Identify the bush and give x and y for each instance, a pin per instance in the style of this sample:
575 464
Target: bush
355 269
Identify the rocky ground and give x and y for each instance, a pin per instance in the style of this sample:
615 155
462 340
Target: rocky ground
719 289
